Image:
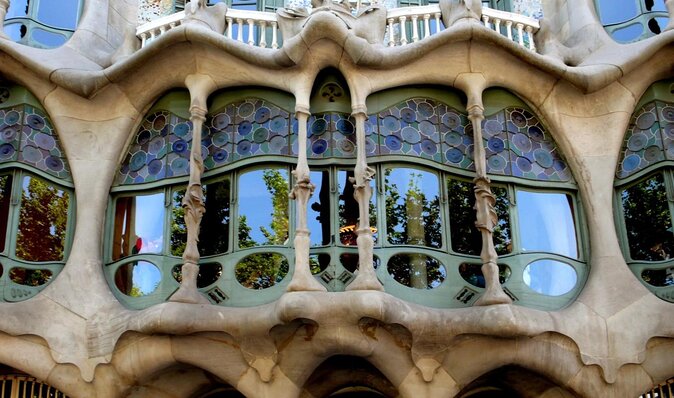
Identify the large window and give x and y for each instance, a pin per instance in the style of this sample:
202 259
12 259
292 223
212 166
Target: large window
631 20
42 23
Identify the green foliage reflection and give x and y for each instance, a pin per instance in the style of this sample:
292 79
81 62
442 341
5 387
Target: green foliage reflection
261 270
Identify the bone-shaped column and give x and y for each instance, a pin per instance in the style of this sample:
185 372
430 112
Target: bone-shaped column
4 6
366 279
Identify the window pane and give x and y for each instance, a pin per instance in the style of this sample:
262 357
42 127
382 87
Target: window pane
261 270
16 31
5 196
43 219
48 39
58 14
17 8
416 270
614 11
659 277
348 209
472 273
30 277
209 273
139 225
263 208
318 213
647 219
137 279
549 277
466 238
628 33
412 207
318 262
547 223
657 5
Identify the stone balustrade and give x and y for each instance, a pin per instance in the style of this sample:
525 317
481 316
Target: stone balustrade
405 25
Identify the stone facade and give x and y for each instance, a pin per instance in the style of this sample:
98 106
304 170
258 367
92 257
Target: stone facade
615 338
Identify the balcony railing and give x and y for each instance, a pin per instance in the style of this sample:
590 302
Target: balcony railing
405 25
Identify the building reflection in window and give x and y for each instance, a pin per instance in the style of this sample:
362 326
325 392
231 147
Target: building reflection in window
348 209
139 225
263 207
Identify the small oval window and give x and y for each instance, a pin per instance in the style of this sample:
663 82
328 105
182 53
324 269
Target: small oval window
209 273
658 277
137 279
318 262
350 261
416 270
30 277
261 270
472 273
550 277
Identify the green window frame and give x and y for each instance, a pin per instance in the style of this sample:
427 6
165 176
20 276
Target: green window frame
28 22
649 18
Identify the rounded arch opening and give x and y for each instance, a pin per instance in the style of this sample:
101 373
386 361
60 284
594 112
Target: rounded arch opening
512 382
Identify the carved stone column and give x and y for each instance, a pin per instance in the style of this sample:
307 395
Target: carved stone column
486 215
302 191
670 8
193 202
4 6
366 279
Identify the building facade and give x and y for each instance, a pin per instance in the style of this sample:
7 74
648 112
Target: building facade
336 199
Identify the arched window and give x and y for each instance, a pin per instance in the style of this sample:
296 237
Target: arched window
42 23
631 20
645 191
35 197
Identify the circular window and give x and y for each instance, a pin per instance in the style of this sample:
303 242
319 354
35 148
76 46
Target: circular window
416 270
30 277
318 262
550 277
261 270
137 279
472 273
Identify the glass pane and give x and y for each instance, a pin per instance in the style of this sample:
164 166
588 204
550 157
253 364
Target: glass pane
549 277
16 31
58 14
137 279
412 207
17 8
547 223
350 261
261 270
5 196
318 213
209 273
628 34
263 208
659 277
657 5
647 220
48 39
318 262
214 228
614 11
472 273
43 219
348 209
466 238
416 270
139 225
30 277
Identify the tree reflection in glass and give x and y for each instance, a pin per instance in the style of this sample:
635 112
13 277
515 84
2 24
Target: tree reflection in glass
318 213
137 279
547 223
412 207
214 228
5 195
348 209
466 238
648 221
30 277
43 218
139 225
261 270
263 208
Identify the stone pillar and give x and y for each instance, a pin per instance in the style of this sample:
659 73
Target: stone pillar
200 87
4 6
670 8
302 191
366 279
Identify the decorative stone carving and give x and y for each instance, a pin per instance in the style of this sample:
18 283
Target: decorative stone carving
213 17
458 10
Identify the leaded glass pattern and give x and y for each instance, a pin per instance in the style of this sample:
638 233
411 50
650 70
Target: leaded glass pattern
160 149
260 128
649 139
28 136
517 144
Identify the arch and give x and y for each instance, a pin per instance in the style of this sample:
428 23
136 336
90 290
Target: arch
347 376
513 382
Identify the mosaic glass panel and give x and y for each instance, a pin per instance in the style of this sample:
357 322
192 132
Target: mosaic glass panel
517 144
260 128
333 135
649 138
10 133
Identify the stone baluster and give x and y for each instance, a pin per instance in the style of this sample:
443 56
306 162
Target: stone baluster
415 28
302 191
485 19
520 33
274 35
263 34
427 25
229 27
239 30
497 25
670 9
143 39
487 219
200 86
366 279
530 33
391 35
251 32
509 29
4 6
436 16
403 33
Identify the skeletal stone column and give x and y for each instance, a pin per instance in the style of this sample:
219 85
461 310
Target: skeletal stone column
302 191
193 202
4 6
670 8
366 279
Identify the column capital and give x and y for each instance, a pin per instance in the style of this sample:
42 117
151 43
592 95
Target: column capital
302 109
